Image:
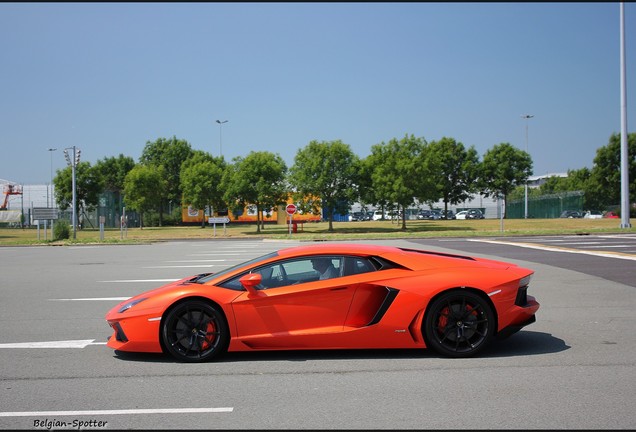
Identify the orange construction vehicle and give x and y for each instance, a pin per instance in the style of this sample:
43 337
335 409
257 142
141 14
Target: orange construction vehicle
9 190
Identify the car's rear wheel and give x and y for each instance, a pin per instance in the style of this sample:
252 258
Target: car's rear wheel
195 331
459 323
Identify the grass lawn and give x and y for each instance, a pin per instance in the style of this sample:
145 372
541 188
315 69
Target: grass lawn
320 231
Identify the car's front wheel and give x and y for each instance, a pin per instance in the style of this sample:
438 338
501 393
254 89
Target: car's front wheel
195 331
459 323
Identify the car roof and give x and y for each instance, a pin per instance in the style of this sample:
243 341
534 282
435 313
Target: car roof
393 253
337 248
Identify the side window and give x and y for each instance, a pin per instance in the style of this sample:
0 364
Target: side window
272 276
357 265
298 271
326 267
305 270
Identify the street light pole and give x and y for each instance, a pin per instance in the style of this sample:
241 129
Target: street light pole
625 209
221 136
72 162
525 211
51 150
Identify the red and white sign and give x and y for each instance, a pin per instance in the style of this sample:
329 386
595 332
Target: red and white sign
291 209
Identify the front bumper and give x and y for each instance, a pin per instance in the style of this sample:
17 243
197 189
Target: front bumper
135 334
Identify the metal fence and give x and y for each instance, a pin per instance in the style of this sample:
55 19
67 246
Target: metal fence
545 206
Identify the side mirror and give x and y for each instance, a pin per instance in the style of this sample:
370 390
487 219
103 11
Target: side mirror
250 281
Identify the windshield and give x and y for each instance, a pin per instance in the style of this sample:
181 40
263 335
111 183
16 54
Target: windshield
234 267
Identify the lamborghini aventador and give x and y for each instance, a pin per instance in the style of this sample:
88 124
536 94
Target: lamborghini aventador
331 296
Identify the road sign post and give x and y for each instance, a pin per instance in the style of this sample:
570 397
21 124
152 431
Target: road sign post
44 214
222 219
290 209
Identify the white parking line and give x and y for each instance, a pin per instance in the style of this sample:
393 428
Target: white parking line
116 412
624 246
53 344
93 299
139 280
215 253
618 255
182 266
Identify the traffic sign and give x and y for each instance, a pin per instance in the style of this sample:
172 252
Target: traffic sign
44 213
290 209
222 219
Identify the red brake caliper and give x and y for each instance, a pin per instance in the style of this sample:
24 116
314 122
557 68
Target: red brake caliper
209 336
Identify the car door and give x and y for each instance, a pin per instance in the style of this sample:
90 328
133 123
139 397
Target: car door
296 304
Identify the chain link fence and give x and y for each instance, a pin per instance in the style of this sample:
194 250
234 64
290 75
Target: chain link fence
545 206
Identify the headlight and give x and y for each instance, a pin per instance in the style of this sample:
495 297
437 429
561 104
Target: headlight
130 304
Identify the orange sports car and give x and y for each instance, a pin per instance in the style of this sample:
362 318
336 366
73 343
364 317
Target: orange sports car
331 296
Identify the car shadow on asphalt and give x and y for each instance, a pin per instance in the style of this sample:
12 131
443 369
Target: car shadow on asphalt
523 343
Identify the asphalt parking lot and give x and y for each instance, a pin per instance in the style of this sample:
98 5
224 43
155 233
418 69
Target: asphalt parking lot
572 369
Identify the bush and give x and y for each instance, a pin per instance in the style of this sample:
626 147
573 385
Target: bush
61 230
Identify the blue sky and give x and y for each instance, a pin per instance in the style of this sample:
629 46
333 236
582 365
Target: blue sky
109 77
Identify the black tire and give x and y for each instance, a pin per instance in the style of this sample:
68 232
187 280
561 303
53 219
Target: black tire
195 331
459 323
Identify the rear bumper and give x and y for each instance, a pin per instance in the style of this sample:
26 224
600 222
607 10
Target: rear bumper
514 328
523 316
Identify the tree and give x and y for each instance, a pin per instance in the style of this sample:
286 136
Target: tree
503 168
259 180
201 178
454 169
576 180
327 170
604 186
169 154
399 173
365 189
144 188
88 185
112 172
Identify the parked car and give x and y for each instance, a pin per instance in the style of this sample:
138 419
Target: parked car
358 216
474 214
378 215
448 214
394 215
571 214
611 215
593 214
379 297
461 215
423 214
429 215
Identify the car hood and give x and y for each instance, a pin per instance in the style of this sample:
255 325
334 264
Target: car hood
159 298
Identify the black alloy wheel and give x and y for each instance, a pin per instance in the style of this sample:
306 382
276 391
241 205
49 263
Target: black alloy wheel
195 331
459 323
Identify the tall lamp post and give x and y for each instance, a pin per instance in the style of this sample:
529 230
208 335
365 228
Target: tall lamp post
625 210
51 150
72 162
525 211
221 136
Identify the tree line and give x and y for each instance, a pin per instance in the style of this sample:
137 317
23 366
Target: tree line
329 175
